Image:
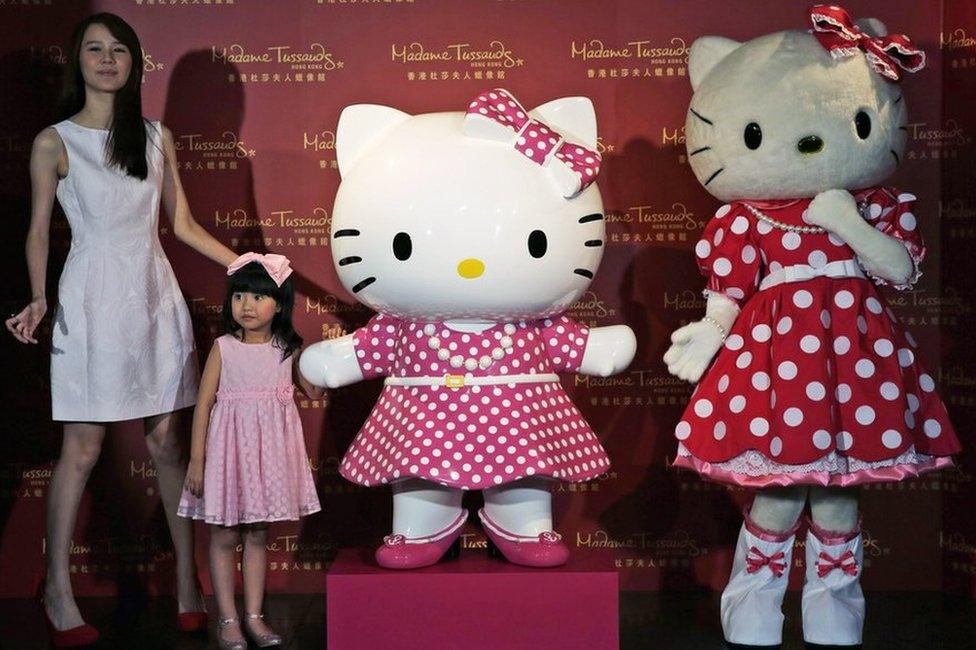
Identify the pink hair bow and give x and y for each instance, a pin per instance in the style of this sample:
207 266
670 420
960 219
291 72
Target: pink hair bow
495 114
846 563
837 32
756 560
277 266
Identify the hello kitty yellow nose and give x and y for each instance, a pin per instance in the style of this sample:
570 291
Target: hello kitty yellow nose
470 268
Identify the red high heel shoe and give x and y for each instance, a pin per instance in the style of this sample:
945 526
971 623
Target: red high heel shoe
80 635
544 550
400 552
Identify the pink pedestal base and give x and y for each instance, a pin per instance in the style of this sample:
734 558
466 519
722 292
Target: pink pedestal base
472 603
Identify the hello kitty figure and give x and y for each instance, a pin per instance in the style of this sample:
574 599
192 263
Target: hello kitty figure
812 386
470 233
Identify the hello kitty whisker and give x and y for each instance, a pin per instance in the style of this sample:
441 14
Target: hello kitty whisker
897 159
712 177
698 151
346 232
586 274
903 128
898 100
701 117
352 259
363 284
593 242
591 217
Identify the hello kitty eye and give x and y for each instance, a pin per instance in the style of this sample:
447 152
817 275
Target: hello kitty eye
538 244
402 246
862 122
752 135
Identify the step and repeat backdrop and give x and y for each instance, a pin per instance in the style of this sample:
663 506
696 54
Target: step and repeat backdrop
252 91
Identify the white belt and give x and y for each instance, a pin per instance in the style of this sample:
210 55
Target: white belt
460 381
801 272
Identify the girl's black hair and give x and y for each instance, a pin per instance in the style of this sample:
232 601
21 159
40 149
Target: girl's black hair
252 278
126 144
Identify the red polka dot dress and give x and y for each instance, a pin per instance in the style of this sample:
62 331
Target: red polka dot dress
475 435
817 382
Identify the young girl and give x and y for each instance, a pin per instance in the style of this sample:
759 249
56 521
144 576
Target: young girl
248 464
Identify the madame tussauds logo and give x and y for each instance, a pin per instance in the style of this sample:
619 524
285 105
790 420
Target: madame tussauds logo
228 145
494 55
319 219
49 53
316 57
322 141
590 305
950 135
956 39
595 49
678 217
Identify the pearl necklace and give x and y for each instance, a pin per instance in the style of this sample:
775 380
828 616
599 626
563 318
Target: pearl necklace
470 363
812 230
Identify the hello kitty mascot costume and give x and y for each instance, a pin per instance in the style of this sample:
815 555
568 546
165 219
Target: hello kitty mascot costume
470 233
812 385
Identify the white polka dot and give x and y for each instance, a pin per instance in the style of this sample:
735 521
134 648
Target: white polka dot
760 381
905 197
873 305
932 428
703 408
682 431
816 391
703 248
816 259
883 347
740 225
802 299
759 427
793 416
718 236
737 404
722 211
719 431
722 266
862 324
844 299
791 241
926 382
761 333
787 370
843 393
825 318
809 344
784 325
891 439
909 419
841 345
874 210
748 254
913 402
734 342
864 415
776 446
744 360
889 391
844 441
821 439
864 368
905 357
907 221
723 384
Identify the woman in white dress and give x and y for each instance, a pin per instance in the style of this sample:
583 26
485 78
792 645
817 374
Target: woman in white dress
122 346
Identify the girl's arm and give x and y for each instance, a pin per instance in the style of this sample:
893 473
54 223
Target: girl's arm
186 229
311 391
47 156
206 397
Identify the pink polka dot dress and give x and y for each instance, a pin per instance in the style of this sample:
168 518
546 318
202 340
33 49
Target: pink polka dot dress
817 383
488 431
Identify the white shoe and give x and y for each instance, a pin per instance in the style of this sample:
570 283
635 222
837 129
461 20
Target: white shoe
833 603
752 603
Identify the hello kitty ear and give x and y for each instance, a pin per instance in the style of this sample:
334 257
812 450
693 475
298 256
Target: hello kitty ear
872 27
573 117
360 127
705 53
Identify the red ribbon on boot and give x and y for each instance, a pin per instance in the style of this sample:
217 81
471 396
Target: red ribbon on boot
757 560
846 563
837 32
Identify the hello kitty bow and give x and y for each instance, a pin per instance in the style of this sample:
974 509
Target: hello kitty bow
837 32
496 115
277 266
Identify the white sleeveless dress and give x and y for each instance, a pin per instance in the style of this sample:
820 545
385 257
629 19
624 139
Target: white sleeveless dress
122 346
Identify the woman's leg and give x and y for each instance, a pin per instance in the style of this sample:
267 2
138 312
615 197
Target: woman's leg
223 562
80 449
166 449
255 569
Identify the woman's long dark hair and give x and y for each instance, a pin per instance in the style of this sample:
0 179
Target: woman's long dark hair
126 144
252 278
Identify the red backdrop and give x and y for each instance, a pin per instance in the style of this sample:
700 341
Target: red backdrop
252 91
